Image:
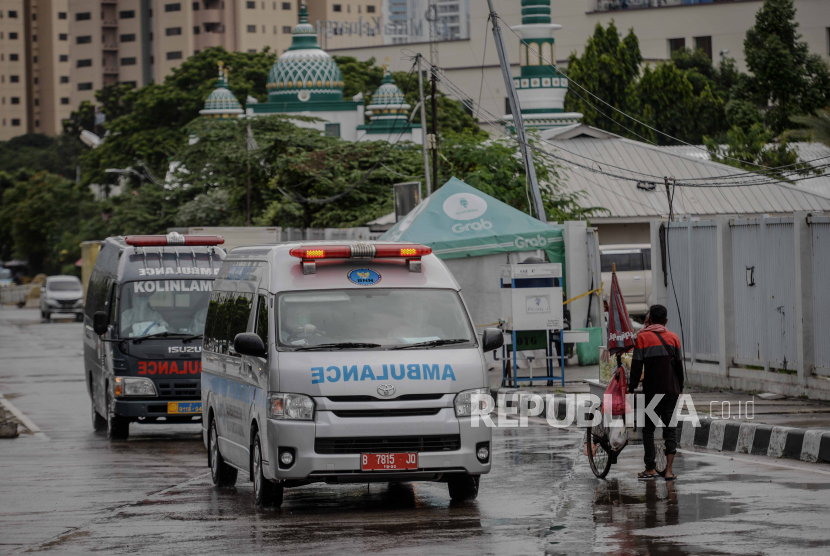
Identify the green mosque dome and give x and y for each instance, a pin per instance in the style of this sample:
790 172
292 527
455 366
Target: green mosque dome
221 103
305 72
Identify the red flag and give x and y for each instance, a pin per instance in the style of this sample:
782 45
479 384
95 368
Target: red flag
620 334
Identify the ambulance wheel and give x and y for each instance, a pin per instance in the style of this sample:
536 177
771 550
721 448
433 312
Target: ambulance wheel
463 487
118 428
99 424
79 318
46 315
267 493
222 474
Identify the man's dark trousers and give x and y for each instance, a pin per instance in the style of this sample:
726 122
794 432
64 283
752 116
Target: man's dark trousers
664 410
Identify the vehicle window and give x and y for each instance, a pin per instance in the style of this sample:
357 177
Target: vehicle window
624 261
96 294
63 286
5 273
112 303
381 316
228 316
647 259
154 306
262 319
239 311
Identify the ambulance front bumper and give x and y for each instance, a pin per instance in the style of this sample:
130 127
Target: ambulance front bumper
444 444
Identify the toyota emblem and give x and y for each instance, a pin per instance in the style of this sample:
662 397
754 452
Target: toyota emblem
386 390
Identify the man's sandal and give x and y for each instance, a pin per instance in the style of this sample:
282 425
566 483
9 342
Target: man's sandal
671 478
644 475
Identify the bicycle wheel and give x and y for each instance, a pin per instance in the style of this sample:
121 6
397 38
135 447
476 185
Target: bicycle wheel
598 458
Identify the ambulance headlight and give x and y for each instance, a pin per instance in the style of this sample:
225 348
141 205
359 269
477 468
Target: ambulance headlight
134 386
290 406
464 401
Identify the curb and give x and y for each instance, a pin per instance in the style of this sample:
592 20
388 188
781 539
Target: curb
721 435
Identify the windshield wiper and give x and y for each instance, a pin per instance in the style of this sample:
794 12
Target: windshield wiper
193 337
432 343
341 345
157 335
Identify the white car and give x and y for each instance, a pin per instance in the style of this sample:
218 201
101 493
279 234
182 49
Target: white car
62 295
633 263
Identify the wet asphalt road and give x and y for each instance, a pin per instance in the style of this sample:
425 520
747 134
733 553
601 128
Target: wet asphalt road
72 491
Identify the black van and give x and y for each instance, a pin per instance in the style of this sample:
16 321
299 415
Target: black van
144 316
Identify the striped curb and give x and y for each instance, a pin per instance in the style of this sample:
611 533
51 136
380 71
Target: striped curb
722 435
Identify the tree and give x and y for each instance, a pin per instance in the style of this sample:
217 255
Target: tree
786 79
46 217
608 68
816 127
36 152
755 148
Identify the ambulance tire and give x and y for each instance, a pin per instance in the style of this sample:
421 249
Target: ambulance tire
99 424
222 474
267 493
46 315
118 428
463 487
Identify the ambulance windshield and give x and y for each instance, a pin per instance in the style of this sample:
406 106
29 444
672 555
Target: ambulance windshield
156 306
386 318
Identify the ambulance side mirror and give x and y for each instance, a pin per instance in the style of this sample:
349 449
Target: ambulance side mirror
492 339
248 343
100 322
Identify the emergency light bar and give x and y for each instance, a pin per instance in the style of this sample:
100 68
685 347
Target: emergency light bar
173 238
312 253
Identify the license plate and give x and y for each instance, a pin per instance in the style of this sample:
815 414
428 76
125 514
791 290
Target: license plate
388 462
184 407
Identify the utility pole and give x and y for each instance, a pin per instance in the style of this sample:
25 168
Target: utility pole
424 128
248 138
434 130
515 109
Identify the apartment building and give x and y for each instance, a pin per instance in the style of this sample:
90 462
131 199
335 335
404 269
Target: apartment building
142 41
34 67
718 27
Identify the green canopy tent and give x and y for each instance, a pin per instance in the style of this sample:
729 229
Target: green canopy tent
460 221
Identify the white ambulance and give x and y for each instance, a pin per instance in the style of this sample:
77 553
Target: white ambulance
342 362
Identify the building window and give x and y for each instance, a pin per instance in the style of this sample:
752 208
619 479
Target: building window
337 8
676 44
332 130
196 30
34 80
14 79
63 58
34 38
34 59
286 29
15 100
83 16
12 57
252 51
13 14
370 9
86 39
15 122
252 28
195 6
250 5
173 7
129 83
126 14
286 5
64 100
37 123
63 37
64 79
176 55
37 102
173 31
61 15
704 44
129 37
128 61
84 86
86 63
13 36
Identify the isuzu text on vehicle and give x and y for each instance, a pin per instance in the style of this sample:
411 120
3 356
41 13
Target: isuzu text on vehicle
346 362
144 317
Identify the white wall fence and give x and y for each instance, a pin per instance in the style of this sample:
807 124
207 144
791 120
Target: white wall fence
752 298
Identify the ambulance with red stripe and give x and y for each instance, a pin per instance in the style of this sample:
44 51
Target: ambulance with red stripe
144 317
343 363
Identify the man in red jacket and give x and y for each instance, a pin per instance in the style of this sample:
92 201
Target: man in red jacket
657 350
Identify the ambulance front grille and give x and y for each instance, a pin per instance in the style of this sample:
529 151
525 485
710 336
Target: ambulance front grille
189 389
387 444
405 412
